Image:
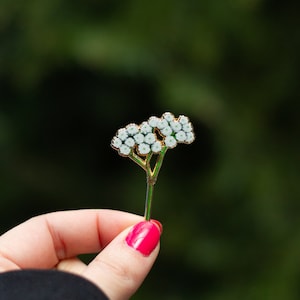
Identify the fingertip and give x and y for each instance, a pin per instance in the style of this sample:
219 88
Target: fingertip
121 267
144 237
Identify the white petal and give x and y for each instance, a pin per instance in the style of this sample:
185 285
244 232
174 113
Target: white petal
180 136
187 127
143 149
168 116
170 142
166 131
124 150
132 129
116 142
183 119
162 123
139 138
122 134
190 137
156 147
130 142
145 128
175 125
150 138
152 121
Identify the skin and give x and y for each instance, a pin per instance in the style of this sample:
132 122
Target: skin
54 240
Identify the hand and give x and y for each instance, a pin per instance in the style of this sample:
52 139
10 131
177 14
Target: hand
53 240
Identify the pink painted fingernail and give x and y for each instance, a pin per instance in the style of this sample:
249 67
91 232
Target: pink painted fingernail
144 237
159 225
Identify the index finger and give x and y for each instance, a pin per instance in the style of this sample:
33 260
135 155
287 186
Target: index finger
41 242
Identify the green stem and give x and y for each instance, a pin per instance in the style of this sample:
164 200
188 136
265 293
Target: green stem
149 197
151 180
159 162
138 160
145 164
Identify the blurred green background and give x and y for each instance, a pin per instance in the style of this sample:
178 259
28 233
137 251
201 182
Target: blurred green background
73 72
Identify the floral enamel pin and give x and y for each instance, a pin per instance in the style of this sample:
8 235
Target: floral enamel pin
149 139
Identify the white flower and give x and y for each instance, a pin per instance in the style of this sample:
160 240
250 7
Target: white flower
153 135
145 128
143 149
187 127
116 142
152 121
175 125
132 129
190 137
170 141
183 119
150 138
166 131
156 147
122 134
168 116
139 138
162 123
180 136
124 150
130 142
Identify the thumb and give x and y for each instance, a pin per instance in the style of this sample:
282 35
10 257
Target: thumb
120 268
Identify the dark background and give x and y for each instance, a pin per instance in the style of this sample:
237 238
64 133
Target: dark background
73 72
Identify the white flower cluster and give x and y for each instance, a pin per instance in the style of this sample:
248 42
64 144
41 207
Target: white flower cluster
153 135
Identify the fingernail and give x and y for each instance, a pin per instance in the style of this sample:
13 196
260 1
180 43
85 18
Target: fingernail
143 237
159 225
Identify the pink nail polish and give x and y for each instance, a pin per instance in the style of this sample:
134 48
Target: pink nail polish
159 225
143 237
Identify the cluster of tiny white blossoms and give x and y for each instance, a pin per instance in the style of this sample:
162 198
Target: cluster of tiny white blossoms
153 135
